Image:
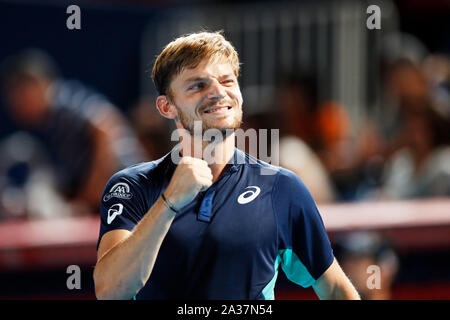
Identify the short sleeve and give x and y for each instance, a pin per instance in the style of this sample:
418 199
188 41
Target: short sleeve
304 249
122 204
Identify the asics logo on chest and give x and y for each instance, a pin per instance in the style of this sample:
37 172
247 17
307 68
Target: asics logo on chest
249 195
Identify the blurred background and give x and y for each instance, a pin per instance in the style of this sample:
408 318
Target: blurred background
363 117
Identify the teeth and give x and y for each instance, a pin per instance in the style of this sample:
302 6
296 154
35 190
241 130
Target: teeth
215 109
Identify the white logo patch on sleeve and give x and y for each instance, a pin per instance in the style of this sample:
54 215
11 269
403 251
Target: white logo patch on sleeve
114 211
120 190
249 195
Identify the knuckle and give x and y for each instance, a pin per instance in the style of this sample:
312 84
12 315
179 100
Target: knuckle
186 160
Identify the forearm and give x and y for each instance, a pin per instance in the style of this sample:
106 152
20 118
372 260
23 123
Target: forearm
335 285
125 269
342 292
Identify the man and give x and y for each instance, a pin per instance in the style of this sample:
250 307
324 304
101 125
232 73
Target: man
218 230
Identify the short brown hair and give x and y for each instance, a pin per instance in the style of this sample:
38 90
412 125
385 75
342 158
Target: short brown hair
187 52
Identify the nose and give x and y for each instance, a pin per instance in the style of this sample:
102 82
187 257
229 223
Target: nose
216 91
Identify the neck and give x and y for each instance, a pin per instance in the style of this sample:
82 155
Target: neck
218 155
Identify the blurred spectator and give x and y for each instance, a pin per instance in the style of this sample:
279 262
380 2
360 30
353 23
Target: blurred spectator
356 252
398 44
298 157
418 141
152 130
352 156
86 137
324 132
437 72
26 181
296 103
406 155
336 146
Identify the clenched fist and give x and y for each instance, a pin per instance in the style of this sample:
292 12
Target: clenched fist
191 176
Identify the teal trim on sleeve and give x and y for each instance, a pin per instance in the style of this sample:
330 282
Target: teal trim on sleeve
294 269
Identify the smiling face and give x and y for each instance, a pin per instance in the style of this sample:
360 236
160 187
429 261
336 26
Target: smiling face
208 93
196 77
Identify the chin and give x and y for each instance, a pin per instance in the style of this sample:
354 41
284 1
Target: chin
233 125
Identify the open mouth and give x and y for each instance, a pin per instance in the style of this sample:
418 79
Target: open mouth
217 109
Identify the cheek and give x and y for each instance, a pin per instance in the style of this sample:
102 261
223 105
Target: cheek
186 105
236 95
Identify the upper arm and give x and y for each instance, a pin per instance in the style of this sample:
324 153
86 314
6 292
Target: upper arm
122 206
110 240
334 284
304 246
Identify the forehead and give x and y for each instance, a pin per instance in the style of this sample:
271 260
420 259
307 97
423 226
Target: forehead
207 68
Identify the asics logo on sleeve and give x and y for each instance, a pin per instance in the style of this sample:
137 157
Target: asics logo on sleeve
114 211
249 195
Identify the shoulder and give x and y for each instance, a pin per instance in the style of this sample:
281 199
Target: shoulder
283 179
290 189
287 186
288 180
259 167
139 174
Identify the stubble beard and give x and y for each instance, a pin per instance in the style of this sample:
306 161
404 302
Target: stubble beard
188 122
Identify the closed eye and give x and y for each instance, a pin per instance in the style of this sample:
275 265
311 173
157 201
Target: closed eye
228 82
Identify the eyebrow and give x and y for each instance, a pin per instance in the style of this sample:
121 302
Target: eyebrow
197 78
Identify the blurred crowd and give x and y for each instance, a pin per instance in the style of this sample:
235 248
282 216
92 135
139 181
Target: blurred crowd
401 153
70 139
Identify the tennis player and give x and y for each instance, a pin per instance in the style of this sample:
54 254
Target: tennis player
182 227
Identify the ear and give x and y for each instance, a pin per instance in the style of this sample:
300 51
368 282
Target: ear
165 108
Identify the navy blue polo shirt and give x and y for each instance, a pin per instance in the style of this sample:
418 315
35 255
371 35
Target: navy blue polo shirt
230 241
